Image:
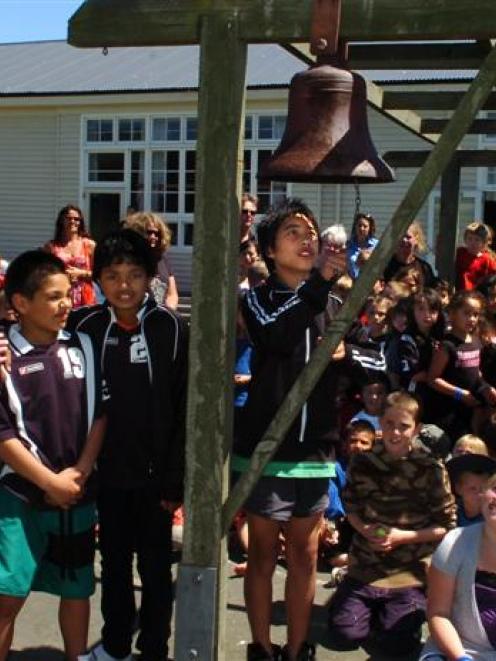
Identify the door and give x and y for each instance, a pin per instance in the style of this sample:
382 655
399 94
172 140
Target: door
104 214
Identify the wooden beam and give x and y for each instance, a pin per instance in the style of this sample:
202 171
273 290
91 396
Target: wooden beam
407 119
465 158
448 222
417 56
430 100
478 126
100 23
211 352
440 157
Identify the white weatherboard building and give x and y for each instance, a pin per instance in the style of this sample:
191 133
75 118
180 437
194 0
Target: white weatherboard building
117 130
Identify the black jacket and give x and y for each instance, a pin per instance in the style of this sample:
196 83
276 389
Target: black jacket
284 326
158 456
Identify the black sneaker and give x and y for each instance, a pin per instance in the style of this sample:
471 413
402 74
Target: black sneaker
257 652
306 653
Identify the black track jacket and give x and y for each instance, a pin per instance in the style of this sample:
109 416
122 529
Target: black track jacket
158 456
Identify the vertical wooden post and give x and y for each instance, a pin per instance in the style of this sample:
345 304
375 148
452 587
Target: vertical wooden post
211 355
448 221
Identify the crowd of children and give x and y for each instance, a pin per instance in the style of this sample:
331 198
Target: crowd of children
389 452
412 387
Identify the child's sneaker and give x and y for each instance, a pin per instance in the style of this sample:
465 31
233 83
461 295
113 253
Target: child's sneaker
257 652
99 654
306 653
338 574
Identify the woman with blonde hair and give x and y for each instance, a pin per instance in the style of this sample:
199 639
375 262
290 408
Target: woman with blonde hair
407 254
159 236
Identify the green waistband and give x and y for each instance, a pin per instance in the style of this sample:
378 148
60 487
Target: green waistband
288 468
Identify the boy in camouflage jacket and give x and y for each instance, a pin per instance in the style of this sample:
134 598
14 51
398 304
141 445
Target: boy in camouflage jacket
399 502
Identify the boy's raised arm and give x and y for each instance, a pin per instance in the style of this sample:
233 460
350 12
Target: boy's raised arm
279 329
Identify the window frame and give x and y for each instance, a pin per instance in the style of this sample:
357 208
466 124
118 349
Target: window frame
148 146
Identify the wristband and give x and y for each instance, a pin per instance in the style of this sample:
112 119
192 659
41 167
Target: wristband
465 658
458 398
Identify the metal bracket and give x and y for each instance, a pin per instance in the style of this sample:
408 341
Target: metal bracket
326 19
196 601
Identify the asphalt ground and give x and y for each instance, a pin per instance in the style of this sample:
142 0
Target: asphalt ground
37 637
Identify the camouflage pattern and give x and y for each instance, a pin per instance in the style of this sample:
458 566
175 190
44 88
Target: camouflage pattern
410 493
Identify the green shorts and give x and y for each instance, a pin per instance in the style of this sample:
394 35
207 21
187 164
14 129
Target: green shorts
46 550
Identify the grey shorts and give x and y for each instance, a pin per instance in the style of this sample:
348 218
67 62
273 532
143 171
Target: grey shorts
281 498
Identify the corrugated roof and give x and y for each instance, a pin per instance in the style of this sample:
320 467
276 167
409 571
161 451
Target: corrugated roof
54 67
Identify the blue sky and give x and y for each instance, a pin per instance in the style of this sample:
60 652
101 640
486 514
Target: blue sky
35 20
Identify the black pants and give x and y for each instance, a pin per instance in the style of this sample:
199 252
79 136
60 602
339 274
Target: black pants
133 521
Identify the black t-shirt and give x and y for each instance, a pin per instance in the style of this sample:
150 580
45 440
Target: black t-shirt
463 368
49 402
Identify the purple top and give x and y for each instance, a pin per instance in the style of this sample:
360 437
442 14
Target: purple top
485 596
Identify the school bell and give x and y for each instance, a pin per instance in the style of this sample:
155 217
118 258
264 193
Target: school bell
327 139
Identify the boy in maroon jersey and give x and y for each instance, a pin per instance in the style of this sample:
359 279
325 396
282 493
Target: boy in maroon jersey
51 430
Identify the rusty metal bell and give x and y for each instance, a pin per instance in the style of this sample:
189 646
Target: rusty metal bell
327 139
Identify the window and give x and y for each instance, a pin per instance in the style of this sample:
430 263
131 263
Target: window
165 181
152 161
131 130
248 127
191 128
166 129
467 207
99 130
489 138
271 127
136 200
189 182
106 167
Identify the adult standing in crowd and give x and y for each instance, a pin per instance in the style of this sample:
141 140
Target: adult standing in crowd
361 243
159 236
407 254
249 207
72 244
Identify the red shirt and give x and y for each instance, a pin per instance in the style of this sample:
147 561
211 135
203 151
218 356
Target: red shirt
472 269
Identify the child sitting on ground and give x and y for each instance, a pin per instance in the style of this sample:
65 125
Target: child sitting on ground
373 394
468 473
399 502
469 444
335 539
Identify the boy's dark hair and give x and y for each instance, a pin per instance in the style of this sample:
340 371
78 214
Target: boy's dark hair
124 246
272 221
359 426
376 376
440 284
28 270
